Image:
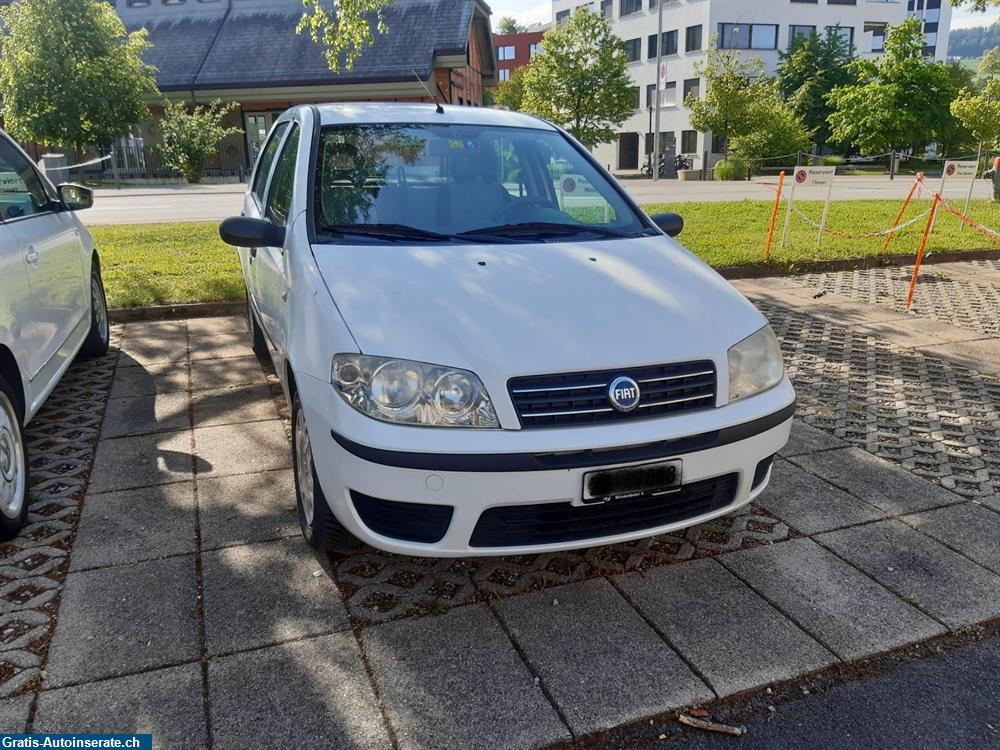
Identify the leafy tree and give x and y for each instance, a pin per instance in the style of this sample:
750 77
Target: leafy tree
190 136
972 43
70 74
980 5
345 31
781 131
509 25
510 93
954 138
580 80
811 68
899 101
979 111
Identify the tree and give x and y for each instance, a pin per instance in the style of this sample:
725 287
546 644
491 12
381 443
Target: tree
811 68
190 136
580 80
345 31
899 101
979 5
973 43
509 25
954 139
979 111
70 74
510 93
780 131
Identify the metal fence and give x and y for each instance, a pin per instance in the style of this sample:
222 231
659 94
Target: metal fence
141 162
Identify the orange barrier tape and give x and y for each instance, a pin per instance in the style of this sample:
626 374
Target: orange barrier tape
985 231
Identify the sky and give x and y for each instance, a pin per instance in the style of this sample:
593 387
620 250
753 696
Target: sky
533 11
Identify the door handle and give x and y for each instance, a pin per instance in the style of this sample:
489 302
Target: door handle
284 296
31 257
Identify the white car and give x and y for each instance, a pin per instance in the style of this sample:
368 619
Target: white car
487 353
52 307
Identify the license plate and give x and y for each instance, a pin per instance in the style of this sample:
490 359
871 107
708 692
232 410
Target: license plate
631 481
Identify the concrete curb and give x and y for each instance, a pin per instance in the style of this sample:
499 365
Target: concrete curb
177 312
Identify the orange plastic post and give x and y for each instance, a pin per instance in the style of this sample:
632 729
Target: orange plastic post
774 215
899 217
920 250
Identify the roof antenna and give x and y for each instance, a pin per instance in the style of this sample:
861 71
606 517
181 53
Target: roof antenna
437 105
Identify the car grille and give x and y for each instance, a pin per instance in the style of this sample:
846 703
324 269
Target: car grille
411 522
580 398
553 523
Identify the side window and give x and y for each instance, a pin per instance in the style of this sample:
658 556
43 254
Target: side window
265 161
22 192
279 197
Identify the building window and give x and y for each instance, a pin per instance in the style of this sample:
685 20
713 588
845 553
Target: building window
561 17
844 32
692 87
633 49
692 38
718 144
651 47
799 32
748 36
669 94
689 141
506 52
504 74
635 97
607 9
877 30
533 49
841 2
628 7
138 3
173 2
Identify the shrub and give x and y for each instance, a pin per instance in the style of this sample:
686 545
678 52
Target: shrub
190 136
832 161
731 169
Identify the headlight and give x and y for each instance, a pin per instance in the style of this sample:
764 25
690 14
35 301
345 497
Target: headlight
755 364
398 390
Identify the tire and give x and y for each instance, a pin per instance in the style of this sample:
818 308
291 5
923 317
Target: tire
321 529
13 466
257 341
99 337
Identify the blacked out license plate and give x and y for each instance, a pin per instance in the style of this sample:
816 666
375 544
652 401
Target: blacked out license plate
657 478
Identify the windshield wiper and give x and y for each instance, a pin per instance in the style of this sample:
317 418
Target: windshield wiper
389 231
536 228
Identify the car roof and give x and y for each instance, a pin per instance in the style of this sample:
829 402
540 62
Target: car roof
349 113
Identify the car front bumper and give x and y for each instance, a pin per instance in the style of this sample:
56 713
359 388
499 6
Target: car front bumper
399 491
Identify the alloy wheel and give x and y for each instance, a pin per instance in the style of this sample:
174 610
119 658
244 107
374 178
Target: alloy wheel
12 469
100 308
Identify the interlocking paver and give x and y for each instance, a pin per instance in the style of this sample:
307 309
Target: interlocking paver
167 703
260 594
313 693
809 504
732 636
455 681
146 414
875 481
924 572
241 449
841 607
140 461
602 664
247 508
110 624
209 374
251 403
806 439
124 527
969 528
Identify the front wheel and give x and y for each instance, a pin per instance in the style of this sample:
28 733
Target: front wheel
99 337
319 526
13 466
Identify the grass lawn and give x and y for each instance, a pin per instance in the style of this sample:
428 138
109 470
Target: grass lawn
149 264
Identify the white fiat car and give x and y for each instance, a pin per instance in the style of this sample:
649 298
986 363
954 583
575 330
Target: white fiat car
52 308
488 349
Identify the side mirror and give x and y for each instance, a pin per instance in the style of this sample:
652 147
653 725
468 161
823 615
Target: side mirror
243 231
76 197
670 223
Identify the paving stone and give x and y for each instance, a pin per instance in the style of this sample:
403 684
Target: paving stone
247 508
887 487
142 352
601 663
145 381
982 355
241 449
838 605
922 571
969 528
902 333
809 504
251 403
226 373
115 621
146 329
730 634
146 414
806 439
140 461
221 325
308 694
455 681
124 527
166 703
260 594
221 346
14 713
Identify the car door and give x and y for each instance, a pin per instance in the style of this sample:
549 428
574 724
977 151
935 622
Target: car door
272 262
14 295
51 250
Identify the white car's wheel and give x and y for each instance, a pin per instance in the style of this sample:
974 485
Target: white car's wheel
99 337
13 466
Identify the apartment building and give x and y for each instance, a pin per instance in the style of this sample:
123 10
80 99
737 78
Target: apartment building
760 27
516 50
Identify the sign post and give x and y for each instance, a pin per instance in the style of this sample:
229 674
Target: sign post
972 182
820 176
661 77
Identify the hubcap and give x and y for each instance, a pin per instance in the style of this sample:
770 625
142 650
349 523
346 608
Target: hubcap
100 308
304 467
12 474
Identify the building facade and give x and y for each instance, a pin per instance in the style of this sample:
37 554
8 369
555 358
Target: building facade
761 27
515 51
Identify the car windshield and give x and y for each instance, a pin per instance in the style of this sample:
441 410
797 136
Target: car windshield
447 183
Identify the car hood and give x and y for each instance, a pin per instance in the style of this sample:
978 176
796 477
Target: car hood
523 309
